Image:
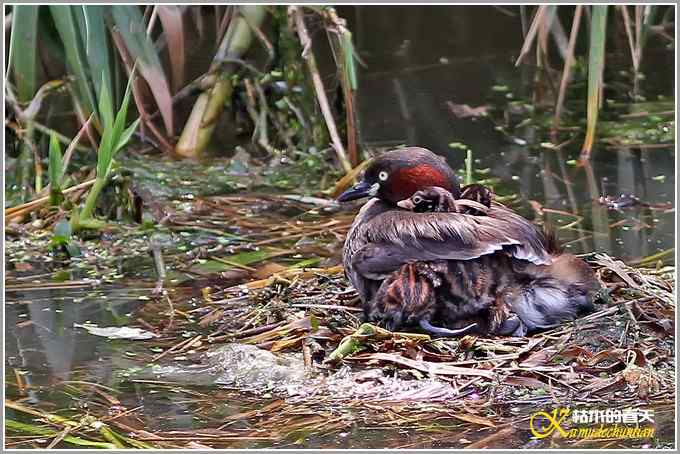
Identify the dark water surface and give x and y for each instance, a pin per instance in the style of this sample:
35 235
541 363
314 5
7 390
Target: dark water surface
416 60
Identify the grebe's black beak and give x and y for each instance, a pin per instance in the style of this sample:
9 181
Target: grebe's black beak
359 191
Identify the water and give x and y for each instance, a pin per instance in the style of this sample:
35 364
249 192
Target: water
416 60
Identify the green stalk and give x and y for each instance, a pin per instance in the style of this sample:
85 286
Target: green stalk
203 118
115 136
91 200
468 167
37 163
24 167
55 170
209 105
598 26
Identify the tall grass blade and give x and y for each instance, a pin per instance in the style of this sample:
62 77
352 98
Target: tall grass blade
130 23
598 26
649 13
531 34
111 138
349 83
105 144
126 135
568 63
70 32
348 59
110 144
173 28
97 47
119 125
23 59
105 104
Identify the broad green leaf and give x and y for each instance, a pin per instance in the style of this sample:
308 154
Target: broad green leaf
69 30
23 50
105 155
130 23
250 257
111 136
97 47
125 137
57 241
210 266
105 104
121 117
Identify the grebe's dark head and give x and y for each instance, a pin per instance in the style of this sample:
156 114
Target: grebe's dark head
396 175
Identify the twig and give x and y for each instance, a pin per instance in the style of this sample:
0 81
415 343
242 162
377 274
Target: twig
175 348
60 137
308 55
50 285
27 207
340 32
328 306
172 313
74 143
643 114
568 63
262 38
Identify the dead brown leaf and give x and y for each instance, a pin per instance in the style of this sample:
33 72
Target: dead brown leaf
267 270
529 382
539 358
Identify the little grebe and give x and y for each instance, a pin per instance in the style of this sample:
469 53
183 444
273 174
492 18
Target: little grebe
467 265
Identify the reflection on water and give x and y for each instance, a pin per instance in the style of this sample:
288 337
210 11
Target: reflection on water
43 341
568 197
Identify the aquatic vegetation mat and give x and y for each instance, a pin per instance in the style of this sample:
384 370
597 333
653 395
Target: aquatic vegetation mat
255 334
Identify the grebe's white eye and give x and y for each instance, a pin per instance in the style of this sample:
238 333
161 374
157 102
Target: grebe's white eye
417 199
383 176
